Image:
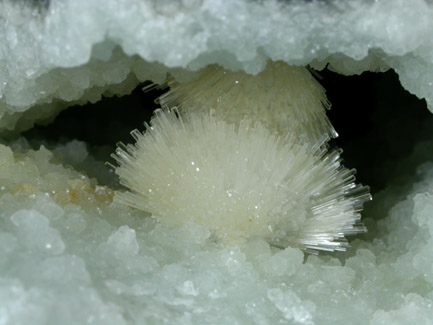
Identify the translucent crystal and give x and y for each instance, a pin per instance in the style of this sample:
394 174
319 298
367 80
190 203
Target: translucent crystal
285 99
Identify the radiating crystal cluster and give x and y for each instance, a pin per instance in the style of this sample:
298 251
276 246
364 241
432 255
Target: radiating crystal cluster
265 175
285 99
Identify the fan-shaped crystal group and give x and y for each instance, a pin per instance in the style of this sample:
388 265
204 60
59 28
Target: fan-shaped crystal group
246 156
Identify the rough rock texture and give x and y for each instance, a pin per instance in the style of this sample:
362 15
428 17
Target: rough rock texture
69 254
62 51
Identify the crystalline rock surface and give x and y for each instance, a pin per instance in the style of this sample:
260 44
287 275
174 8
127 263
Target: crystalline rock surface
70 254
91 48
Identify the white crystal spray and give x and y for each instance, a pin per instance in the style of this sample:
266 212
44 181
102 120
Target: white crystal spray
245 162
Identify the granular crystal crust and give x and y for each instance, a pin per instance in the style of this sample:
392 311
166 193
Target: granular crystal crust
69 260
73 51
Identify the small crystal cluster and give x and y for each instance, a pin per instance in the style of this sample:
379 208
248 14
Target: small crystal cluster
267 174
